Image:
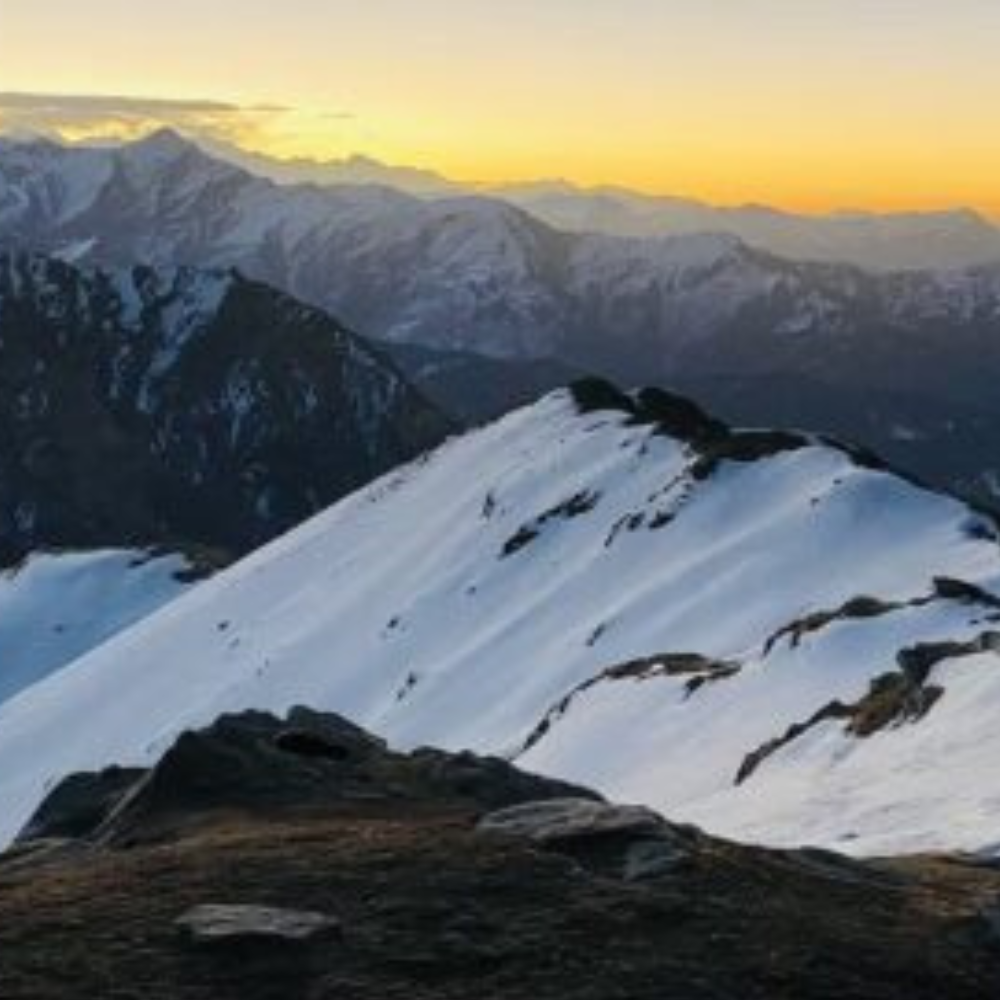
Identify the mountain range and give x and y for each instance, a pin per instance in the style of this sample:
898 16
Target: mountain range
879 241
765 633
905 361
145 406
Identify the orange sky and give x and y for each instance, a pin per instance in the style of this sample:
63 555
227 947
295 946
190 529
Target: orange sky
808 104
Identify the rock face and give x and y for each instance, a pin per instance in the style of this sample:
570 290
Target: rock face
79 804
257 762
302 858
218 924
564 820
628 842
143 406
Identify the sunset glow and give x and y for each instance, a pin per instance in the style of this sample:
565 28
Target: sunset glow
808 104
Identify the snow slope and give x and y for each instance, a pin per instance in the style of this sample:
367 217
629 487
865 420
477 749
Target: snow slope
479 597
56 606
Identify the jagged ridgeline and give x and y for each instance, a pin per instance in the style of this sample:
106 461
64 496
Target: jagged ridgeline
177 406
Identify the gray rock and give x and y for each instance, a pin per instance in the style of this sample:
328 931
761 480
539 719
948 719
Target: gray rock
649 859
224 924
572 819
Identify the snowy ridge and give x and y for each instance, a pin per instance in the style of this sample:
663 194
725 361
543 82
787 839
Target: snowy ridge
498 594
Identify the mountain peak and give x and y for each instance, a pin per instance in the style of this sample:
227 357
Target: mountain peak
165 145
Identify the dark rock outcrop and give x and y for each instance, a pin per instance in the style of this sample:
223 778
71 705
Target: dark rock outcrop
143 406
266 858
255 763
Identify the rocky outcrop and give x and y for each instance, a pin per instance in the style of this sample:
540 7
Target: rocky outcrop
628 842
254 762
565 820
892 699
695 670
306 859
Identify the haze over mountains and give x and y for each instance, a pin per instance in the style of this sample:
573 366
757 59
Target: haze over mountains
879 241
904 361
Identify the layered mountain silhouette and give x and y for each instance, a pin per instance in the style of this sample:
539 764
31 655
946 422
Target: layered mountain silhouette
904 361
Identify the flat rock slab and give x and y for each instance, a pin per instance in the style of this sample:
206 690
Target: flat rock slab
222 924
563 820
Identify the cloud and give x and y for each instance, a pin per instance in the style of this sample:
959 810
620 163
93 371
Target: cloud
78 117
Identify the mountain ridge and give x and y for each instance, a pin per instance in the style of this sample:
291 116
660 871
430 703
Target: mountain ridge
173 406
758 578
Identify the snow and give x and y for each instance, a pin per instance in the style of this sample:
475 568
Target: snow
56 606
398 608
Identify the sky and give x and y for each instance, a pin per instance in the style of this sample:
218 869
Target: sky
806 104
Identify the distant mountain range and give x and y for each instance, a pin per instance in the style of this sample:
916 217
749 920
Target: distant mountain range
879 241
761 632
906 362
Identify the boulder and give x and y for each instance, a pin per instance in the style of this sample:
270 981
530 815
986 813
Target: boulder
561 820
212 924
649 859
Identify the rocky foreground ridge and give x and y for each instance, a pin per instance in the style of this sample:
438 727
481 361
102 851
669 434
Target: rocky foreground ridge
267 858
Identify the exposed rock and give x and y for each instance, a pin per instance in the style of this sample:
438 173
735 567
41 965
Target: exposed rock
753 760
561 820
489 781
903 696
892 699
215 924
968 593
678 417
568 900
80 804
594 395
254 762
648 859
697 669
744 446
855 609
579 503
